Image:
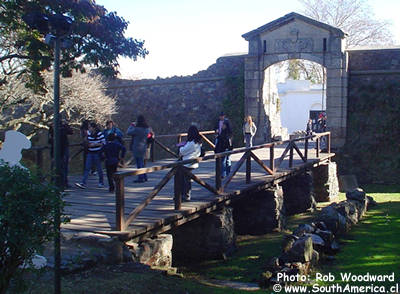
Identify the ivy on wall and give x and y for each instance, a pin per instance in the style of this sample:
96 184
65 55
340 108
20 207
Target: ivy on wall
233 106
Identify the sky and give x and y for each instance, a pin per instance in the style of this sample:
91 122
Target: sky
186 36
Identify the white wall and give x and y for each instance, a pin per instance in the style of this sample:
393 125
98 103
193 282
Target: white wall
297 98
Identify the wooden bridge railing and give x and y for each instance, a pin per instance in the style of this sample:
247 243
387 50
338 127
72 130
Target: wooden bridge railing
39 150
176 171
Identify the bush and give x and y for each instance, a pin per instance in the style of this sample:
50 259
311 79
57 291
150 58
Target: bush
27 206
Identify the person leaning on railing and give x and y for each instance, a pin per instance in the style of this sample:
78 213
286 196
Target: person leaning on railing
192 149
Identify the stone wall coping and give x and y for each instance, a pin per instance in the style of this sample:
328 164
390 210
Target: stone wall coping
161 82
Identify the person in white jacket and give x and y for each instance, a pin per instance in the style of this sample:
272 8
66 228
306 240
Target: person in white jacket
249 130
192 149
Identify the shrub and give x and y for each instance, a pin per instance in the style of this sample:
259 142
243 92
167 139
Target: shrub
27 206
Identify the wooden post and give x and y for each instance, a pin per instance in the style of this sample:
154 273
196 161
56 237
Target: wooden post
248 167
306 150
291 155
152 151
120 204
272 158
178 187
317 142
218 170
328 143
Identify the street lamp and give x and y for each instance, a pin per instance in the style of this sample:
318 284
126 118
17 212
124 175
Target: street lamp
55 27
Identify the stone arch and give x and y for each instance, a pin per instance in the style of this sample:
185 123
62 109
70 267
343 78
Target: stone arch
295 36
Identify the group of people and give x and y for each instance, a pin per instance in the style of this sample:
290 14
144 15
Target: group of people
318 125
108 144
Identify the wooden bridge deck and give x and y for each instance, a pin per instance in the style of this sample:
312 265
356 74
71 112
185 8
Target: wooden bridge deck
93 209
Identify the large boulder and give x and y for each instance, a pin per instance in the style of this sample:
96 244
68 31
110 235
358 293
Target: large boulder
334 221
349 211
301 251
153 251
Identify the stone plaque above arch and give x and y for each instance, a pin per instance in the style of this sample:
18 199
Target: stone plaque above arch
295 36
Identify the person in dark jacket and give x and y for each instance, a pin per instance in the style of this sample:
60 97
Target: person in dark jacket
114 152
139 133
224 143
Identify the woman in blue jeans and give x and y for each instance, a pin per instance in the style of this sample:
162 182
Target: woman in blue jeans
139 132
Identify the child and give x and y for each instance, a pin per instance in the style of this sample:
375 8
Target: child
112 151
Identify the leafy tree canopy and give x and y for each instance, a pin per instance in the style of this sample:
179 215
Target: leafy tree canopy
97 39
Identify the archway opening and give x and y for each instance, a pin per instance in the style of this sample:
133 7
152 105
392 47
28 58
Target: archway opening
294 91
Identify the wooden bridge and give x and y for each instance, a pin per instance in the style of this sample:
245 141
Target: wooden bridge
139 210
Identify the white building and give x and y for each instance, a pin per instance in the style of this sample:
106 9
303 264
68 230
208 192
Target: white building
297 99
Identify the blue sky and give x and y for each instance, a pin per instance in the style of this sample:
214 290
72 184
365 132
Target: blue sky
186 36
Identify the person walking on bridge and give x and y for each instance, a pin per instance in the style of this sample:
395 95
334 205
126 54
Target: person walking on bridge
139 132
249 130
95 141
224 143
192 149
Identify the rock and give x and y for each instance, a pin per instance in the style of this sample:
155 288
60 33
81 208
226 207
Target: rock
357 194
273 264
302 269
349 211
334 221
371 202
314 257
361 207
327 236
301 250
321 225
317 241
303 229
288 242
154 252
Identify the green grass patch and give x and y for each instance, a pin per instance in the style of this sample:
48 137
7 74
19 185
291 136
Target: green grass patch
373 245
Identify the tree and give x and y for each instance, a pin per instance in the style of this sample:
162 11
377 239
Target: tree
97 39
354 17
26 220
82 97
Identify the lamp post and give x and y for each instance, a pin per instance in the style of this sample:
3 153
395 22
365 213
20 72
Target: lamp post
55 27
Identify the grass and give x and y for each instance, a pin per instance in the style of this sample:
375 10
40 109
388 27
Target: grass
374 244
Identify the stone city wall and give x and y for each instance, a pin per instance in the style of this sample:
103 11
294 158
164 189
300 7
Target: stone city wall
171 105
373 132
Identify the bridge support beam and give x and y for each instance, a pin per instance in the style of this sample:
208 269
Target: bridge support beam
325 182
260 212
298 194
211 236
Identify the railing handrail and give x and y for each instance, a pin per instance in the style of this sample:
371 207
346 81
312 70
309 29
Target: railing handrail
125 138
134 172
